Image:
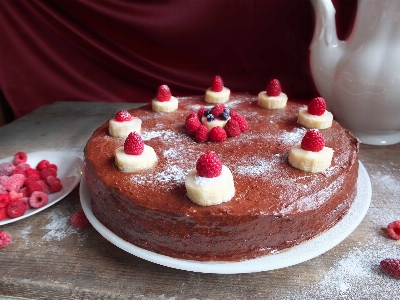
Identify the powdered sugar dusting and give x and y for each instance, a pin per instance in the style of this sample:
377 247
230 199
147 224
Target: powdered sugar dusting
58 227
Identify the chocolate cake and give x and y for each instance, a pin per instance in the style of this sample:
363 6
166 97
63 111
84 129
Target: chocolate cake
275 206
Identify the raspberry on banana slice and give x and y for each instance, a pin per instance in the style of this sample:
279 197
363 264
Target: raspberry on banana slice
123 124
311 155
210 183
217 93
164 101
315 115
272 97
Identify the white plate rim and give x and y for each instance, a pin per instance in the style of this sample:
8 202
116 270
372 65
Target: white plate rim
74 168
295 255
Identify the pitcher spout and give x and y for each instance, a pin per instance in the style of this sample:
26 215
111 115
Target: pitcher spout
326 49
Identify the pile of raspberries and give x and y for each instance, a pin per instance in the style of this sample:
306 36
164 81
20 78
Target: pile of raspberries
235 125
23 187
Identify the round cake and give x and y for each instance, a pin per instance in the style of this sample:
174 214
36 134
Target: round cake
275 206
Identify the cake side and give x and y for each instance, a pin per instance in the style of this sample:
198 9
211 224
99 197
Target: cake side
275 205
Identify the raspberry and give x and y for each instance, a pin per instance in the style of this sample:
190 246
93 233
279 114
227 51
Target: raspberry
53 166
122 116
24 166
241 121
79 219
313 141
274 88
201 134
391 266
208 165
393 230
191 115
20 157
4 200
38 199
16 209
55 186
163 93
33 186
2 189
217 134
5 239
15 182
42 165
232 128
6 169
317 106
3 179
3 213
192 125
134 144
217 110
15 195
32 171
18 170
26 201
217 84
201 111
48 172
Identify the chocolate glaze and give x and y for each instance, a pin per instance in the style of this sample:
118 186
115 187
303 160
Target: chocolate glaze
275 206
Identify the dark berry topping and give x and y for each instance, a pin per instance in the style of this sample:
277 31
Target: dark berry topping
210 117
207 112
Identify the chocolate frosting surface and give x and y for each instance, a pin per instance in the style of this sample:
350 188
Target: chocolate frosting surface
275 205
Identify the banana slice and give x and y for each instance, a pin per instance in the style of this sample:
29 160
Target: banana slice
310 161
218 97
123 129
131 163
272 102
165 106
213 123
312 121
210 191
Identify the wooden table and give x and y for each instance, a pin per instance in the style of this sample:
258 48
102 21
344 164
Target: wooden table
50 259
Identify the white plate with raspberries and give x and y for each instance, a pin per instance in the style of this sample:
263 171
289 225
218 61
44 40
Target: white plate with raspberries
31 182
295 255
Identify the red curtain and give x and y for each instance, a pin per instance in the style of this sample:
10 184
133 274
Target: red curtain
121 51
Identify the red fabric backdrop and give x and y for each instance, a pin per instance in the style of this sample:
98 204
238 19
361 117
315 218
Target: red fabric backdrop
121 51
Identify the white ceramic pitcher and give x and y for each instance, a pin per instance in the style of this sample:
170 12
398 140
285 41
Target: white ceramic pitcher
360 77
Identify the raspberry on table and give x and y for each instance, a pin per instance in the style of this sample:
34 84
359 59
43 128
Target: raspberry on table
5 239
20 157
217 134
122 116
274 88
232 128
16 209
79 219
313 141
317 106
38 199
393 230
391 266
192 125
134 144
208 165
163 93
217 84
201 134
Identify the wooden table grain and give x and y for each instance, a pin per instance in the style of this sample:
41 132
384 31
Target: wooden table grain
50 259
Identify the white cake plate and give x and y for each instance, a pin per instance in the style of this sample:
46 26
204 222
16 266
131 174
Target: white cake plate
295 255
